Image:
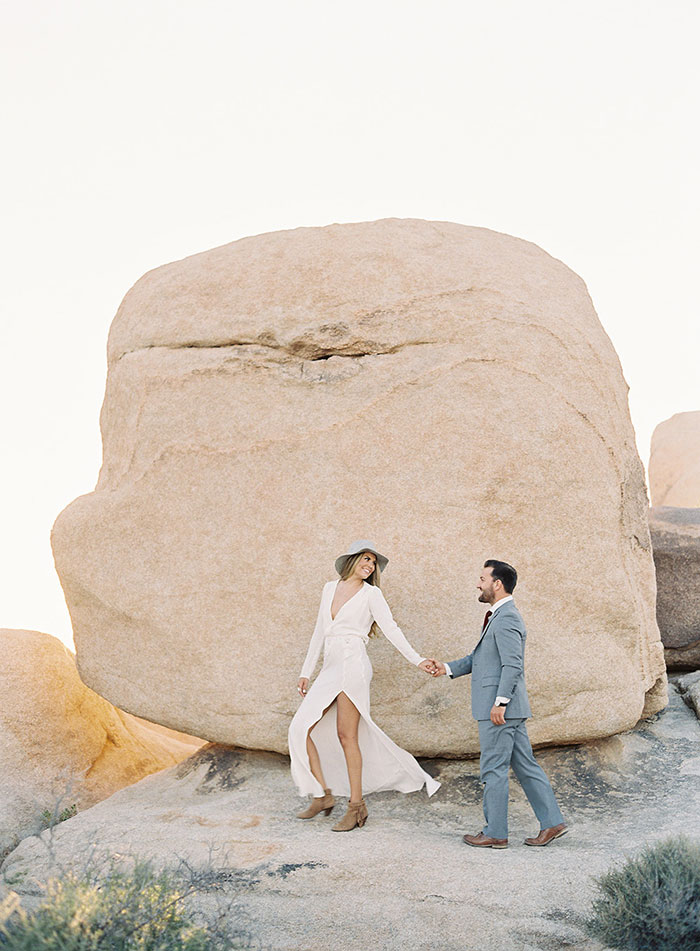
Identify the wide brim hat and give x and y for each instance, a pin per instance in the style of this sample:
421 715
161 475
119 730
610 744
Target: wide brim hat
362 545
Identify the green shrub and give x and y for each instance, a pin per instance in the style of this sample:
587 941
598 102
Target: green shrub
652 902
49 818
140 910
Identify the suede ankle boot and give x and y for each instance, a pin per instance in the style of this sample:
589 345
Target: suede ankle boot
318 804
355 816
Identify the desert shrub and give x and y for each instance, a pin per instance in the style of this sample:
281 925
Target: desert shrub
652 902
139 910
49 818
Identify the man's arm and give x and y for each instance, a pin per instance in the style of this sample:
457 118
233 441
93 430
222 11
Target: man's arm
509 643
458 668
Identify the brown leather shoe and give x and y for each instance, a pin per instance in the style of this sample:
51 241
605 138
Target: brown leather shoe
482 841
545 836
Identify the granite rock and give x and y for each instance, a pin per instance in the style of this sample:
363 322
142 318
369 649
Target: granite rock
688 686
446 390
674 462
675 536
61 745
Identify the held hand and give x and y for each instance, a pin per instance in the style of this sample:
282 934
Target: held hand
303 686
433 667
498 715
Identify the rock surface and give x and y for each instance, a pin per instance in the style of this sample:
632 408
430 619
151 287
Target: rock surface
674 462
689 687
675 537
405 880
446 390
61 744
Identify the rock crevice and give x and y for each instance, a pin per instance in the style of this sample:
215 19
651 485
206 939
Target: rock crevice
300 349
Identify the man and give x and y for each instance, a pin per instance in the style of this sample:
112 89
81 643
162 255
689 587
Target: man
500 706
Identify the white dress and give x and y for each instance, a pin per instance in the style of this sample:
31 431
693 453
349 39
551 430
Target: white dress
346 668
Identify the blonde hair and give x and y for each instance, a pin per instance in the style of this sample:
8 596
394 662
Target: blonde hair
374 578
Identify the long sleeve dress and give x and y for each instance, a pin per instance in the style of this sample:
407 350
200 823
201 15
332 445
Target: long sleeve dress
346 668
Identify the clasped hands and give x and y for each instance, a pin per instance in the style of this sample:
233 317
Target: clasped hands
432 667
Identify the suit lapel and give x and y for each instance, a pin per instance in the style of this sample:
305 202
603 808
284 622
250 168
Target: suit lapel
488 625
504 608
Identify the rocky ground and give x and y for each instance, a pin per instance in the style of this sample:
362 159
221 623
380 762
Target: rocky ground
406 880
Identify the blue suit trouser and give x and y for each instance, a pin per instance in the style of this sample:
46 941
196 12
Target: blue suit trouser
503 747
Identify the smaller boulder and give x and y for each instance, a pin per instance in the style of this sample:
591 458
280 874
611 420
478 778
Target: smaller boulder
674 462
63 747
689 688
675 539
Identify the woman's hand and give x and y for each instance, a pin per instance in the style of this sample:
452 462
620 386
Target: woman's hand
303 686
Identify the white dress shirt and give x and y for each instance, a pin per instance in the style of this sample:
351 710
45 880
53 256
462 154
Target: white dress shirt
494 607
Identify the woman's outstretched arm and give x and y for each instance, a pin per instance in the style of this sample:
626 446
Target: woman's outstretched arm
381 612
315 644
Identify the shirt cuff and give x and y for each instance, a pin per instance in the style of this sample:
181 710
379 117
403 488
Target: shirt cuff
447 669
503 700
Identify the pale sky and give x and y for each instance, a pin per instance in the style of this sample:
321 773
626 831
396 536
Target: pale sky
136 133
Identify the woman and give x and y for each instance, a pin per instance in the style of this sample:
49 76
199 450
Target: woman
338 702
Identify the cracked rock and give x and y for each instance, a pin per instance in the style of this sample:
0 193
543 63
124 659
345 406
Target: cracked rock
446 390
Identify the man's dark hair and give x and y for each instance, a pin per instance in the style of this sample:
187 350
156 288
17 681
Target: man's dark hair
503 572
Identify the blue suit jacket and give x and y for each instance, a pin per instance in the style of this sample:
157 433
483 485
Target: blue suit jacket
497 665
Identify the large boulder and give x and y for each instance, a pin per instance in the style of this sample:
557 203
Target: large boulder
62 746
445 390
674 462
675 537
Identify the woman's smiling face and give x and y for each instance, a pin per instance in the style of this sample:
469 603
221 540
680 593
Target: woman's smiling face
365 566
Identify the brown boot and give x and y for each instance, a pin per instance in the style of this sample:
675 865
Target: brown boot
355 816
318 804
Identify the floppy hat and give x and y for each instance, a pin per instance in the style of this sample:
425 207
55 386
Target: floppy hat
362 545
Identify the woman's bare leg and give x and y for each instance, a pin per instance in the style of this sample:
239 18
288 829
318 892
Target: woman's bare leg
314 761
348 722
312 752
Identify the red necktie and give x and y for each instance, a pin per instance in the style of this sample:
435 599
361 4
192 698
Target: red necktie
486 620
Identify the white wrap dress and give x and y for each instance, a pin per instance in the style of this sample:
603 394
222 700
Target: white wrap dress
346 668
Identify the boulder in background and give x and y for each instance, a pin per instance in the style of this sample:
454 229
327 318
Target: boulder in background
675 537
60 743
674 462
